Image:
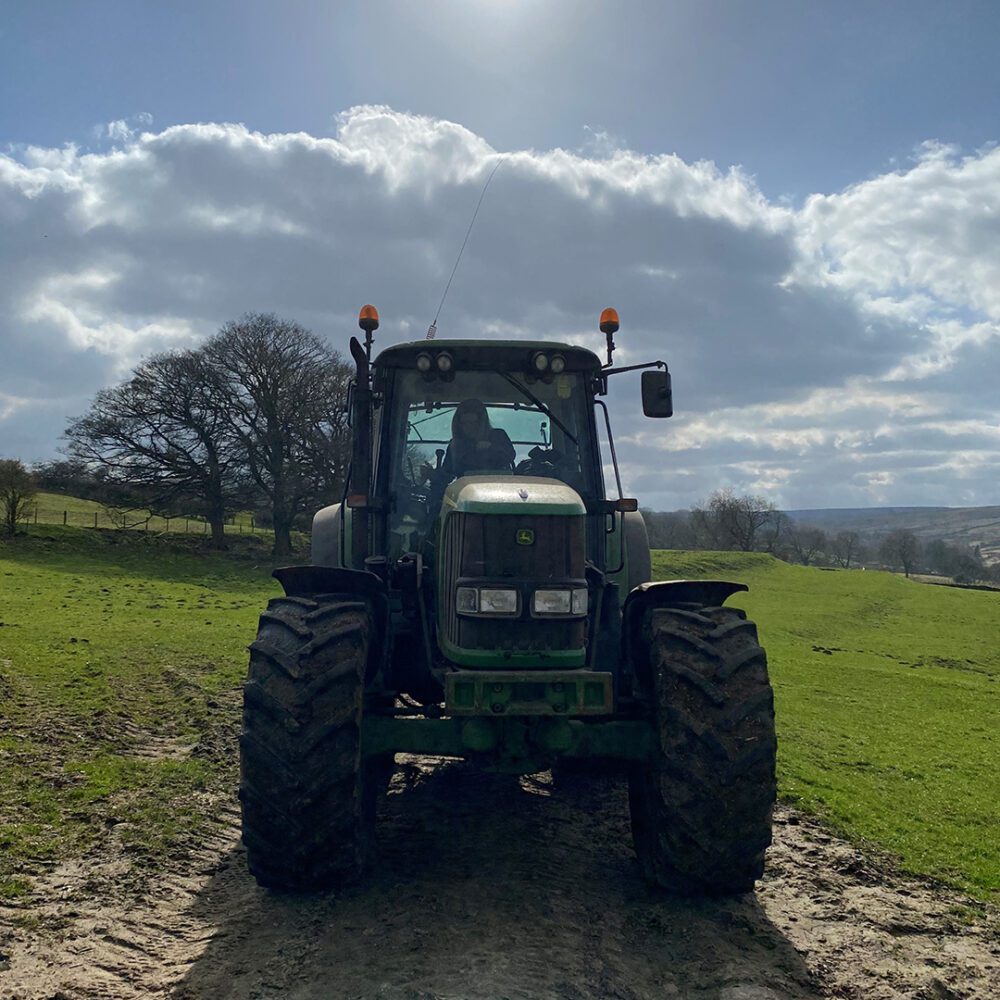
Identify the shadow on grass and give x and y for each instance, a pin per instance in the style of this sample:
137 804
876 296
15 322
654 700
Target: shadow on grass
489 886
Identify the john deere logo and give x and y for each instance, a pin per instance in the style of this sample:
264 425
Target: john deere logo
525 536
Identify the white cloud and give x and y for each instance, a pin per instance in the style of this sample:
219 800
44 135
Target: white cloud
924 240
835 355
9 405
123 130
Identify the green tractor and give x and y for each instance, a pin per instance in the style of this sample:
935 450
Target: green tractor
478 595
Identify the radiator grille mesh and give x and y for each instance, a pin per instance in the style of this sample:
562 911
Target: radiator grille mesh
481 547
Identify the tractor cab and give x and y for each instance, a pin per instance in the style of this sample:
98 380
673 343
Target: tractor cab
535 410
477 497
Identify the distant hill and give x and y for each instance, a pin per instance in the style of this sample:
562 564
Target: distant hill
955 525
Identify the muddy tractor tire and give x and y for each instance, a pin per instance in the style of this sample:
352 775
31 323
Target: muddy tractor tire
308 820
701 808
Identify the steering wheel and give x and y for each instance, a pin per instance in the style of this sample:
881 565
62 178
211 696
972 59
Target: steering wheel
541 462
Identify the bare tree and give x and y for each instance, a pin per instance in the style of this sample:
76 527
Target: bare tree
775 531
900 548
282 392
728 520
806 543
161 440
845 547
254 416
69 476
17 489
671 530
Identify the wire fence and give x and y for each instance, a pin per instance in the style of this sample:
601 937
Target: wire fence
139 520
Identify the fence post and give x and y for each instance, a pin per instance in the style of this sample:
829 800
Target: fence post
64 519
187 526
95 518
36 515
167 528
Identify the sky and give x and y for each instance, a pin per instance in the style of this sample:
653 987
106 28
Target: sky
795 205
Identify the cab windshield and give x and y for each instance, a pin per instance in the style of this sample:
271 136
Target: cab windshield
546 422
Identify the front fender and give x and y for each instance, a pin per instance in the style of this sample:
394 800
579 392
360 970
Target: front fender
662 593
313 581
665 594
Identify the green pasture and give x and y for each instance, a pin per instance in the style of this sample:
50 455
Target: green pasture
121 655
58 509
887 697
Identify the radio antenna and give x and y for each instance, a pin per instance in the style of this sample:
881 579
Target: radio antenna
432 329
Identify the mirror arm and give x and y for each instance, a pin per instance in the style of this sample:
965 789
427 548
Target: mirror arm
632 368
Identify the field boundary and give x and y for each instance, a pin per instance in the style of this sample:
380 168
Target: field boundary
97 515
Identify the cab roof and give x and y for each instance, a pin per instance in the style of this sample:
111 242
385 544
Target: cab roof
503 355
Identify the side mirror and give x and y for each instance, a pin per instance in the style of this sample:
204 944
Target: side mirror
657 396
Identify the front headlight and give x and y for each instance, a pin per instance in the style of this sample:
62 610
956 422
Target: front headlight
488 601
551 602
559 602
498 602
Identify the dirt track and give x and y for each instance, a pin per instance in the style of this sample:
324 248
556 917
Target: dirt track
491 886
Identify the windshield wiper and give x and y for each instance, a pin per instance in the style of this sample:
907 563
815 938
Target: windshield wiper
528 394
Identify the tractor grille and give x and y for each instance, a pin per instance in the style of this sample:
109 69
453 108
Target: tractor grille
482 549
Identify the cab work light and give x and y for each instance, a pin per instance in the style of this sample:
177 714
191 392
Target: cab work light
540 361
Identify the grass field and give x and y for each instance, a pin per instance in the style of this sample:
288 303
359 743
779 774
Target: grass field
56 508
118 651
888 706
114 649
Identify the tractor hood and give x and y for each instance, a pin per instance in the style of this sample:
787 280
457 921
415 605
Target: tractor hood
514 538
493 494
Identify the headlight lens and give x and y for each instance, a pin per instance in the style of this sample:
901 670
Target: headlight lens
551 602
557 364
498 602
444 362
424 362
580 601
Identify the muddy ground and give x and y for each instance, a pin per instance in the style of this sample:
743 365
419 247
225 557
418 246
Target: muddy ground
495 886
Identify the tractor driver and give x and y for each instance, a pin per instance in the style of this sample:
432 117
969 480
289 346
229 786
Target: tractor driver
476 446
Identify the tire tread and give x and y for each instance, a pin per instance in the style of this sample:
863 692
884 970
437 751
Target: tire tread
305 825
702 810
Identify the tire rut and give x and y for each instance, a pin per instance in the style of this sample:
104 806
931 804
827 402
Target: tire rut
491 886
